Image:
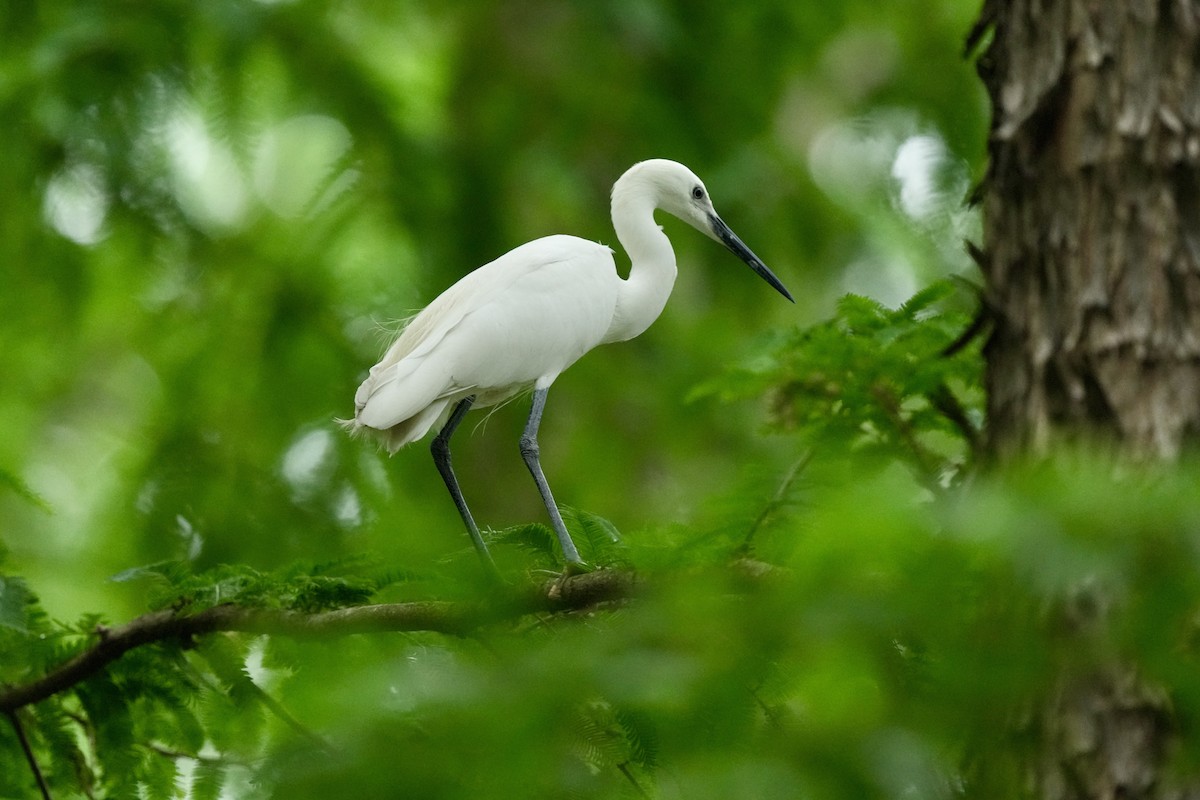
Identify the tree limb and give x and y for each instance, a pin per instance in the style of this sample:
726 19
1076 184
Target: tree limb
776 500
29 755
574 593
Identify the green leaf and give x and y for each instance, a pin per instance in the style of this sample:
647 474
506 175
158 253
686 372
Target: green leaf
169 572
22 490
598 541
158 775
207 780
533 537
15 602
926 298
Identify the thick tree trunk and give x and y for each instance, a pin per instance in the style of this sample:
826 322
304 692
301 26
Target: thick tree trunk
1104 735
1092 223
1091 260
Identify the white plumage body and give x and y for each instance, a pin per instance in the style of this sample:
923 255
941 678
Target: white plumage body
465 343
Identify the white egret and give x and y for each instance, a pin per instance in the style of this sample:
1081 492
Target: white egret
519 321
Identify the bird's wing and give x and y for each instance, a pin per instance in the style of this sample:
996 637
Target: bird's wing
422 367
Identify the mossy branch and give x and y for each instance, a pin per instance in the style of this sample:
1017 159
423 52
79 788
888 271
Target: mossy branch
575 593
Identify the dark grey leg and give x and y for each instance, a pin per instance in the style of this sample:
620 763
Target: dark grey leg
441 457
529 451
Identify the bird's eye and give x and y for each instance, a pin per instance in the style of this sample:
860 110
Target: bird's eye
698 193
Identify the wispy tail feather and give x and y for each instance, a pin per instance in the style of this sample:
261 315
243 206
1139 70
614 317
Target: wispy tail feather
403 433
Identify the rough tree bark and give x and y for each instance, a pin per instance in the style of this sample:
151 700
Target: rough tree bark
1092 223
1091 259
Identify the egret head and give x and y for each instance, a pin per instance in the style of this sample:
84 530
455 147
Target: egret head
678 191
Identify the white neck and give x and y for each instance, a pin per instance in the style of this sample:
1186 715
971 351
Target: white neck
642 297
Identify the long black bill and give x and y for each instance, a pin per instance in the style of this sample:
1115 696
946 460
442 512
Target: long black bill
739 249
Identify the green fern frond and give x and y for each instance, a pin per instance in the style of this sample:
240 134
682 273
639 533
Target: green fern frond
598 540
16 603
532 537
207 780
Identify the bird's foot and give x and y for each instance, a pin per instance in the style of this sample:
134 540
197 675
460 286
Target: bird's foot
570 570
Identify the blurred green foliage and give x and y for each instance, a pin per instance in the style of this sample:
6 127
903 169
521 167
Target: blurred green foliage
884 384
213 213
890 653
